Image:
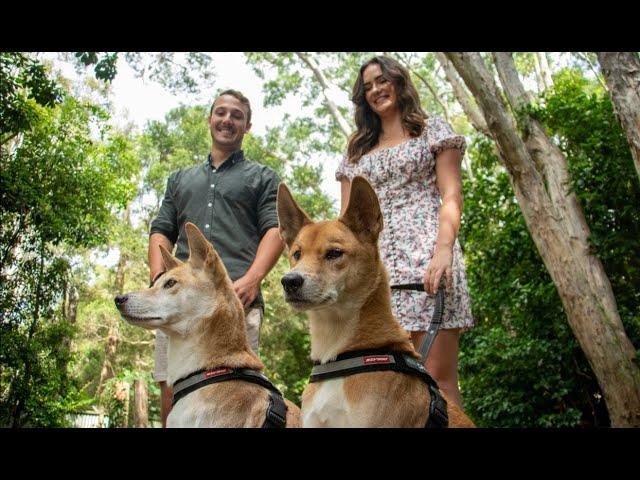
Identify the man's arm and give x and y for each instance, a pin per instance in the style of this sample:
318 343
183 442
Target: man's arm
156 265
267 255
164 229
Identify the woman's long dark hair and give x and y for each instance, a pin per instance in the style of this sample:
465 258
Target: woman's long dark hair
368 125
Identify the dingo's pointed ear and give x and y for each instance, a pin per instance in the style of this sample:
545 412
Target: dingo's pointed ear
363 214
199 246
169 260
291 218
202 255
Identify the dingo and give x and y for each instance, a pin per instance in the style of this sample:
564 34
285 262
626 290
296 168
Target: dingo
195 305
337 275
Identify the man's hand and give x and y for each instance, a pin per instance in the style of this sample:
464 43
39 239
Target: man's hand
246 289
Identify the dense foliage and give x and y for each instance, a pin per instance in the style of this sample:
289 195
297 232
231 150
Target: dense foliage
61 183
521 366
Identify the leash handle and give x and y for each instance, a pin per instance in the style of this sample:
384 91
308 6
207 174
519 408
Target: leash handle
434 326
436 320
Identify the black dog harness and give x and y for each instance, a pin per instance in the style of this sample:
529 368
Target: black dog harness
276 412
360 361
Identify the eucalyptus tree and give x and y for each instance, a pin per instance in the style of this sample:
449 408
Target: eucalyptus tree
622 73
554 217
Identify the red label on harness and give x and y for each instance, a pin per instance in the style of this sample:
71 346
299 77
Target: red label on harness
215 373
376 359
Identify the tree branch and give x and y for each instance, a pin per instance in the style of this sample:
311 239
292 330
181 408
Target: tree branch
321 79
428 85
474 114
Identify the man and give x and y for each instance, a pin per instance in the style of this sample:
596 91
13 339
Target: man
232 201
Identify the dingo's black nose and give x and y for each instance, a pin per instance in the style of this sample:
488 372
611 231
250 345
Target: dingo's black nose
292 282
121 300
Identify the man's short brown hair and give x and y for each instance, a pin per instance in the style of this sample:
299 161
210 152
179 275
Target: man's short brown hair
234 93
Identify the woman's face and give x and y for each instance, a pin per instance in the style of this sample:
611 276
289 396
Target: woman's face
379 92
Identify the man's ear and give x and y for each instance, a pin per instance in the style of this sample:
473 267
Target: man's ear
363 215
291 218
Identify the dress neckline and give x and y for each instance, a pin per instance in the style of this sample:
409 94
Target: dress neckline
375 152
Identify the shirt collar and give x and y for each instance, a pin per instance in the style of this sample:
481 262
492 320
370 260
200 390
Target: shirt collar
234 158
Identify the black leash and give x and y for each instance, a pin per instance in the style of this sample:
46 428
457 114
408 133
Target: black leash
436 321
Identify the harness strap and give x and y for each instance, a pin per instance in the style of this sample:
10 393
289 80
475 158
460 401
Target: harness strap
276 416
349 366
361 361
276 411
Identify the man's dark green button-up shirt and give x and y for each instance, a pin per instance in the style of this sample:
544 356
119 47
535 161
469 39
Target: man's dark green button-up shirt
233 205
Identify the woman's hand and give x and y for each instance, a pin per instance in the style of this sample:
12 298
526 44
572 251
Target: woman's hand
441 263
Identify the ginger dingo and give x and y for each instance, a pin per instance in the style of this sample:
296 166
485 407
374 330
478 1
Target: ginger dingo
338 277
195 305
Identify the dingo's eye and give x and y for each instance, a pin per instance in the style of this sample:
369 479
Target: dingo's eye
333 254
296 254
170 283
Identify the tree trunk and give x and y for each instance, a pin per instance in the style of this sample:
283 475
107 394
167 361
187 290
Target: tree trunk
544 69
621 71
121 395
71 309
472 112
319 76
141 413
74 298
555 220
110 347
539 80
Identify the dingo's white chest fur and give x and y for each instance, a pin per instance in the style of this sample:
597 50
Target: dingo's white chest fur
328 407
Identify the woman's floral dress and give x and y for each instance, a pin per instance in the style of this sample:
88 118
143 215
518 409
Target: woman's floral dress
404 178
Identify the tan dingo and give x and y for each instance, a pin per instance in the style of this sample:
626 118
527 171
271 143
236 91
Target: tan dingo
338 277
195 305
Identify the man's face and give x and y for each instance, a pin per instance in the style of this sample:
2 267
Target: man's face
228 122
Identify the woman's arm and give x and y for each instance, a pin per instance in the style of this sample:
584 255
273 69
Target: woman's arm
449 181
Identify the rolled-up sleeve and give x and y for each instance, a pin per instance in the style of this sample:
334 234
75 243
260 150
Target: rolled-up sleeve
266 208
166 222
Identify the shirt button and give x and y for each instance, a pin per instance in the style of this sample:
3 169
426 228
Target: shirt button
206 226
212 185
209 204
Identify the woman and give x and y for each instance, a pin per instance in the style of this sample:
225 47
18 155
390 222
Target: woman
413 163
